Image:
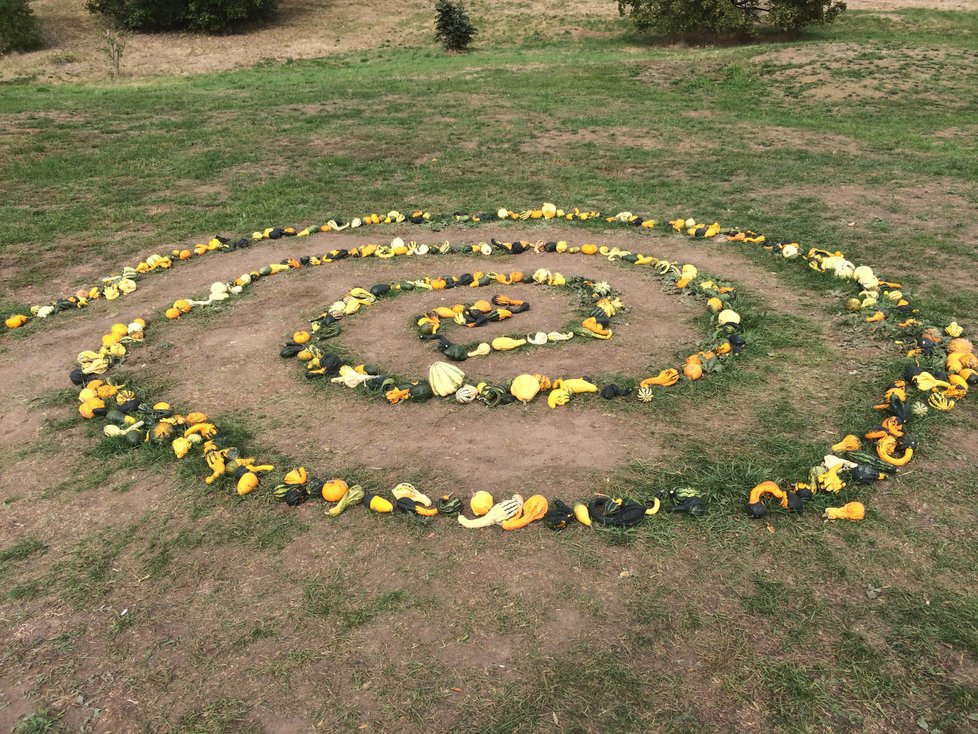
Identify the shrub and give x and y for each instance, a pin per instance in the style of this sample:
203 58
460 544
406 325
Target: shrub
452 25
208 16
19 29
742 18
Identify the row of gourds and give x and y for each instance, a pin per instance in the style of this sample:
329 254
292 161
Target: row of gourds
124 282
941 368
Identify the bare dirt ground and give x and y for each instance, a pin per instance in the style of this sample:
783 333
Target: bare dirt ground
307 29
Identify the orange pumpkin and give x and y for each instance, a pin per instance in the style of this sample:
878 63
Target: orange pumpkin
334 489
589 249
961 345
693 371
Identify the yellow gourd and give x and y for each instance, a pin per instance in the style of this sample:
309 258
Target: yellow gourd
15 321
854 511
296 476
575 385
525 387
665 378
849 443
558 397
481 503
247 483
505 343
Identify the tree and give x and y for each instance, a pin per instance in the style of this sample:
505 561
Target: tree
452 25
209 16
742 18
19 29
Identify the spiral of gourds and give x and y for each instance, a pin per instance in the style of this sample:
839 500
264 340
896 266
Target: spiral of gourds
940 369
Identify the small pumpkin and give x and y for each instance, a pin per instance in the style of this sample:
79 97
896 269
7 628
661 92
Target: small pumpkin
334 489
960 345
88 408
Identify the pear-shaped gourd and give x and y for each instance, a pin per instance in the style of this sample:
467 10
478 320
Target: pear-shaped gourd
525 387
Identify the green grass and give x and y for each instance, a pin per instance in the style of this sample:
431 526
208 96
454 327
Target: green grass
341 137
331 599
39 722
21 550
88 572
224 716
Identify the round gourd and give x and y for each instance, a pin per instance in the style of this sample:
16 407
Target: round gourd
421 391
334 489
693 371
466 394
481 503
728 317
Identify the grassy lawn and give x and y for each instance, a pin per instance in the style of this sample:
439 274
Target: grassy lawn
242 618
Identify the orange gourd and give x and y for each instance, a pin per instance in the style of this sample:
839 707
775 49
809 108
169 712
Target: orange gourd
534 508
693 371
334 489
665 378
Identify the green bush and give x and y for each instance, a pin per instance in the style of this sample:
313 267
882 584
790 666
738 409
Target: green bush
19 29
208 16
740 18
452 25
